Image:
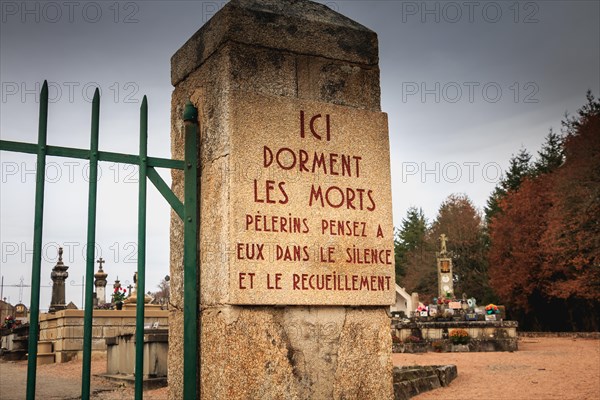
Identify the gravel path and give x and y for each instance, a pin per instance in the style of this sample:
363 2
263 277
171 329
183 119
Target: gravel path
63 381
542 369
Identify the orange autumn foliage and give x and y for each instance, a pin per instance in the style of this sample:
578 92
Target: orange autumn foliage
544 257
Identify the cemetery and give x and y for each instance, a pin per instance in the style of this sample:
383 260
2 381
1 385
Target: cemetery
450 324
61 330
288 277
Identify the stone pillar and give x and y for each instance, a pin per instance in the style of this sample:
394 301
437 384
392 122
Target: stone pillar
58 275
100 283
285 74
444 268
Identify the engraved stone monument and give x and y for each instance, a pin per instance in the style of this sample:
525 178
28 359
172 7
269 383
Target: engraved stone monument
58 275
296 235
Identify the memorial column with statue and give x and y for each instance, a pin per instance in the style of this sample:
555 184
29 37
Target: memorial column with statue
444 267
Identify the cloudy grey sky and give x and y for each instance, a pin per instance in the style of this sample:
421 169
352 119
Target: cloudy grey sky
465 85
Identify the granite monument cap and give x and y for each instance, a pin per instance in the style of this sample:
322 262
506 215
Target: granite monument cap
298 26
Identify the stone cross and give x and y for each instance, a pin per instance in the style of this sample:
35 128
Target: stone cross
443 239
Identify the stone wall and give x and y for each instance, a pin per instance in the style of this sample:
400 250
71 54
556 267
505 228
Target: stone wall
65 329
484 335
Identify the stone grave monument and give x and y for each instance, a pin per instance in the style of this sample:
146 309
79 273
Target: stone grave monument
58 275
444 267
100 282
135 296
296 235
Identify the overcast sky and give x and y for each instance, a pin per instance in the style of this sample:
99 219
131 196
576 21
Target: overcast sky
465 86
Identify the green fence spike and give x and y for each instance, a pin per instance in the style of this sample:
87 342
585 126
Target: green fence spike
91 247
141 256
190 113
34 306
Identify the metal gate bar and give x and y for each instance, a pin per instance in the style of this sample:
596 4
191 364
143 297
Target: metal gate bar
91 248
188 211
190 255
40 177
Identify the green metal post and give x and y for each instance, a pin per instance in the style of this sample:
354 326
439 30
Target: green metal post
141 263
191 346
91 247
37 243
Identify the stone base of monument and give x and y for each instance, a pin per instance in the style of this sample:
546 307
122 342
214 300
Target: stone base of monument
65 329
484 336
13 346
460 348
45 353
120 364
133 306
413 380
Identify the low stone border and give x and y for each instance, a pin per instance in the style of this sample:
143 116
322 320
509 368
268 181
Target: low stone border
129 380
579 335
474 345
413 380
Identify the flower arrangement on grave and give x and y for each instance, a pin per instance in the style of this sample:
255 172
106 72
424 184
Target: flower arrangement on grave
119 295
438 346
396 339
459 336
9 322
413 339
492 309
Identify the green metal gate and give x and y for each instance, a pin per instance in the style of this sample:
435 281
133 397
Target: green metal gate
187 211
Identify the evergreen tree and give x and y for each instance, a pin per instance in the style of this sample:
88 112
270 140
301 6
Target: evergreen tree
409 245
551 156
414 226
519 168
590 110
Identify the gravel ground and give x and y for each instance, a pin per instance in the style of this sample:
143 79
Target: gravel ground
63 381
542 369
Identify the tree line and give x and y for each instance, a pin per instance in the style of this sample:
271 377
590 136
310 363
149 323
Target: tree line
536 246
